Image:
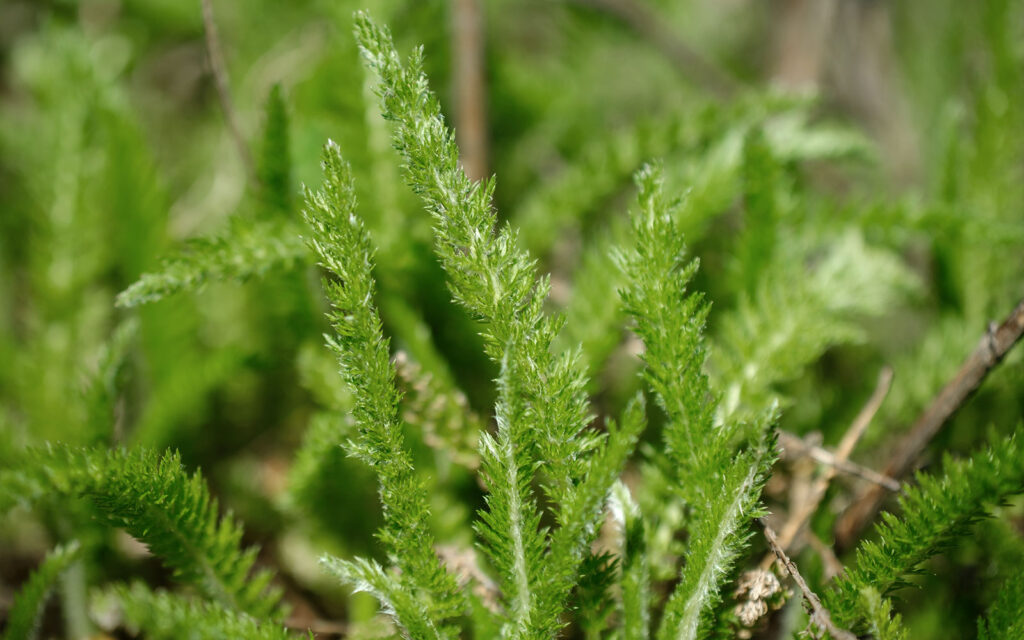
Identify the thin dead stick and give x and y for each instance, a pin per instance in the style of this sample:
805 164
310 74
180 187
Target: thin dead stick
863 419
828 557
992 348
470 87
690 64
799 518
220 80
791 443
318 626
820 616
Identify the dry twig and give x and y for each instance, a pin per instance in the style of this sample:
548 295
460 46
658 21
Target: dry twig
470 89
793 444
992 348
220 80
820 616
798 519
690 64
833 567
318 626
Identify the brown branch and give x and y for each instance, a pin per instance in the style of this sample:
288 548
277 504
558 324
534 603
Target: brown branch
837 461
820 616
318 626
801 29
792 443
688 63
220 80
470 87
863 419
992 348
829 561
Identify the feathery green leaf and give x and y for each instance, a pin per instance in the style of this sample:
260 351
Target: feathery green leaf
1005 618
722 487
154 500
634 564
882 624
23 616
510 526
162 615
343 246
487 271
274 166
401 603
542 408
248 249
934 514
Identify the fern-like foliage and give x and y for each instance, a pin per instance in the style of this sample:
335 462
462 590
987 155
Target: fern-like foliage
881 621
744 161
810 290
429 593
440 412
274 166
24 614
510 526
105 382
670 321
312 465
580 514
263 241
415 619
157 502
248 249
634 565
793 316
163 615
764 190
607 161
934 514
487 271
1005 618
594 601
542 410
42 472
153 499
722 487
604 166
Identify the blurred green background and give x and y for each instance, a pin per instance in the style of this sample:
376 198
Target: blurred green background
871 150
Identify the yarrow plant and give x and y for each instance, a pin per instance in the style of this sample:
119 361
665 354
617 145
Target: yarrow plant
543 440
648 524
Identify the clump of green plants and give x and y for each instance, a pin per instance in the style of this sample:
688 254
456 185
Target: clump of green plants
483 451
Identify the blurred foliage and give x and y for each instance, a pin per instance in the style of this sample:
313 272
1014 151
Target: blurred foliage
156 292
